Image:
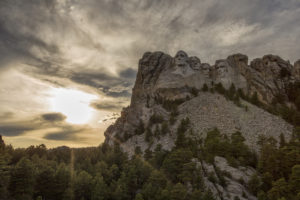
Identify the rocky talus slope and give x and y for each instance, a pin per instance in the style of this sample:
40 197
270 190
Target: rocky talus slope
169 89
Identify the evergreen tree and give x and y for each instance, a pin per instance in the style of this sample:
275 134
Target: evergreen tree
178 192
62 179
148 135
83 185
22 180
294 182
139 197
280 189
100 189
205 87
4 175
45 183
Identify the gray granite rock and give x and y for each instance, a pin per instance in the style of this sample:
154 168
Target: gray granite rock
161 76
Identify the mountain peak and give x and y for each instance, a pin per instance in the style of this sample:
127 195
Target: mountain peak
179 97
163 78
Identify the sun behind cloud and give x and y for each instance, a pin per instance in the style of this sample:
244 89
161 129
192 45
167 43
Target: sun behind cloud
74 104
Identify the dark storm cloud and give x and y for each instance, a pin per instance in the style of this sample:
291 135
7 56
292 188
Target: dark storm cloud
16 129
67 133
108 105
47 120
128 73
53 117
110 85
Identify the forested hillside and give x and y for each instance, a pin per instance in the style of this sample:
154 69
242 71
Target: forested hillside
106 172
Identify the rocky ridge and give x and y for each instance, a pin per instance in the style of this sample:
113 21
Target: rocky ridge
162 78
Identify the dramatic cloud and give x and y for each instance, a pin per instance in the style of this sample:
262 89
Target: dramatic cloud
67 133
94 46
53 117
15 129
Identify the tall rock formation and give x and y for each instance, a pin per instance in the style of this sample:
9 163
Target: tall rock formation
169 89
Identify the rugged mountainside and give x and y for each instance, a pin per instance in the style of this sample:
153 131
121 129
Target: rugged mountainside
168 90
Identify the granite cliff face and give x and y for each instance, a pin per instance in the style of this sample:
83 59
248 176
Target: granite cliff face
162 76
163 79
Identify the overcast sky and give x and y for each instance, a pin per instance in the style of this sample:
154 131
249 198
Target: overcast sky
67 67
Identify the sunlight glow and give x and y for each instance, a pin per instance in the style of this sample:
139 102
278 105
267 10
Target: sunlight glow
73 103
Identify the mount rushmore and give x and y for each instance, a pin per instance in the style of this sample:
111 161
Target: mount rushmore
168 90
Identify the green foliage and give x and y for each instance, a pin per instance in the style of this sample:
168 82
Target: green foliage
165 128
169 105
148 154
279 189
155 119
221 178
173 116
205 87
138 150
294 182
254 184
83 185
279 169
181 140
178 192
233 149
148 135
212 178
220 89
194 91
175 162
105 172
254 99
231 94
140 129
139 197
22 180
4 174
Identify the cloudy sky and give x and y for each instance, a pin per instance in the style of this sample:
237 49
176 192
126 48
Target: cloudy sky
67 67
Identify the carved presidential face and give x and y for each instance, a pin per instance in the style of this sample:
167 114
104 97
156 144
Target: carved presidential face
221 68
205 68
195 63
181 59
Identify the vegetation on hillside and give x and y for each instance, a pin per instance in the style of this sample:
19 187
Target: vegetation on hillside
105 172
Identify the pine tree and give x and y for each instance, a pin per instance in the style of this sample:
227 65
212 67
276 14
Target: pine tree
294 182
279 189
178 192
100 189
22 180
139 197
4 175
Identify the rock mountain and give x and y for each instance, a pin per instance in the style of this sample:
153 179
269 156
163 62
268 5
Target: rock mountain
169 89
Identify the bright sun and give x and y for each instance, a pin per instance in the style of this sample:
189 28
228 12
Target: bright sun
72 103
